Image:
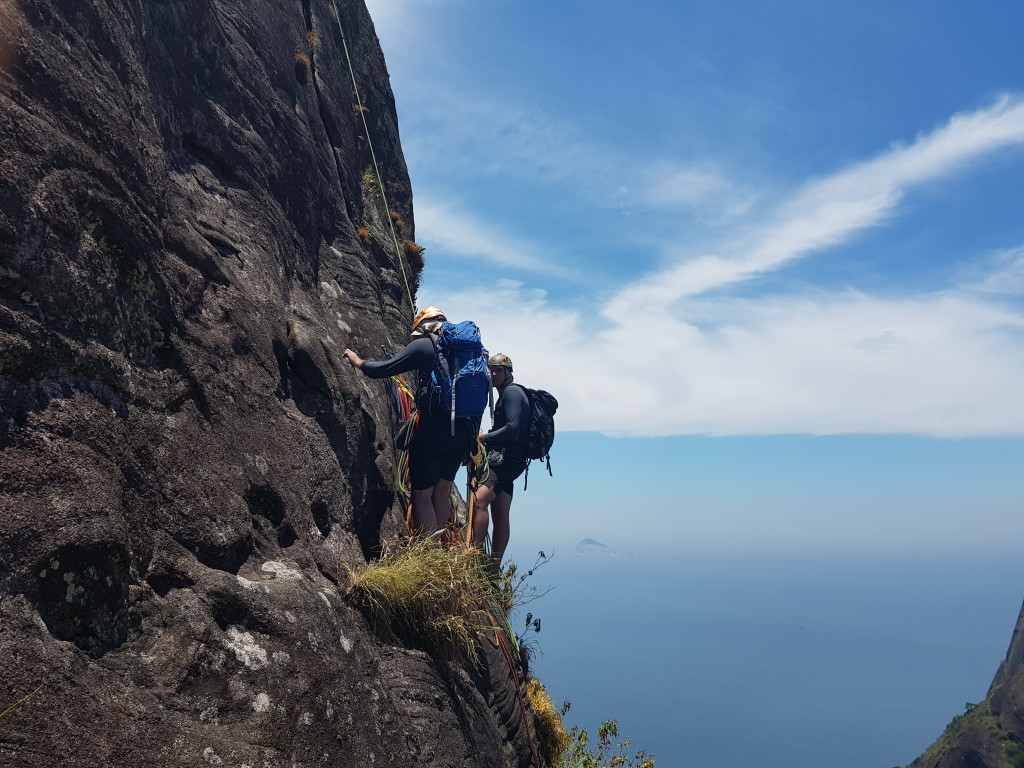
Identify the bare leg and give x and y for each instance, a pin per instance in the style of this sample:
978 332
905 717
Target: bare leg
482 497
499 514
423 511
441 499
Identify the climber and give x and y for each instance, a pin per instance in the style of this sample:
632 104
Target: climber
506 446
440 444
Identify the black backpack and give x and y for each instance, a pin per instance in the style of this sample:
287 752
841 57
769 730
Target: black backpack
541 432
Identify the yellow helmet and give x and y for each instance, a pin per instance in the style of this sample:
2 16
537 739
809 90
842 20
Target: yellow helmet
500 361
430 313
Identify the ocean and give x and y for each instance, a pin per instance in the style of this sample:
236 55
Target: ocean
775 662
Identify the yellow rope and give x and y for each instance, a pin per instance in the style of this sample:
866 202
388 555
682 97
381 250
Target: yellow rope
21 701
373 156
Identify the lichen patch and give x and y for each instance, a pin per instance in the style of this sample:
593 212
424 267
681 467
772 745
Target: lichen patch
253 586
246 649
281 570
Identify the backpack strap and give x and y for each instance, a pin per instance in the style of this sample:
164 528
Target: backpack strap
425 387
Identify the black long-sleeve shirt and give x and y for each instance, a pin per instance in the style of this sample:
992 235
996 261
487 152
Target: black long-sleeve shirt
511 420
417 356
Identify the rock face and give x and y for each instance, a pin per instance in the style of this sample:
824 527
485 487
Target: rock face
991 733
191 231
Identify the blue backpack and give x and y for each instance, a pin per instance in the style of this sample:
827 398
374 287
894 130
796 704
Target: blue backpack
461 380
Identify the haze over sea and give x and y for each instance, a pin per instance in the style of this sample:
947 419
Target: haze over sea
796 661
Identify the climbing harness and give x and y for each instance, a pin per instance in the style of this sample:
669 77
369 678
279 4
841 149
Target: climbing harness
408 417
476 471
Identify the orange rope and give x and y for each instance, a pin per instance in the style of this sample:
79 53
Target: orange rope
503 644
470 511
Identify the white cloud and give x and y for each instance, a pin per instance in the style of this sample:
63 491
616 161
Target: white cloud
666 356
701 187
449 134
458 233
940 364
1007 276
829 211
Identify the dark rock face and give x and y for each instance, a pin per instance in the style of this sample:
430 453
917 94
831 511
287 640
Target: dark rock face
187 464
992 735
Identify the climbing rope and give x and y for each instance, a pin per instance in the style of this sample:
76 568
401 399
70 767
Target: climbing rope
361 109
408 416
500 641
408 422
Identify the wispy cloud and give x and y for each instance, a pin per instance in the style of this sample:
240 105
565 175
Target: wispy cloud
1006 275
455 128
829 211
460 234
667 355
701 187
395 20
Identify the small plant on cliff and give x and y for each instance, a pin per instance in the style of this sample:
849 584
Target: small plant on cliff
313 38
397 221
370 185
97 232
429 593
364 235
1014 751
413 255
302 68
975 717
604 754
552 738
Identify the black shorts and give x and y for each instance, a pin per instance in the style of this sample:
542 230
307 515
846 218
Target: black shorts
506 473
434 454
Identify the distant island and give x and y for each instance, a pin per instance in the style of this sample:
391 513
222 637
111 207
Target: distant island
593 548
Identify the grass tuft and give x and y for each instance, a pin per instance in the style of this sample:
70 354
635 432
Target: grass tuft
428 593
364 235
370 184
552 738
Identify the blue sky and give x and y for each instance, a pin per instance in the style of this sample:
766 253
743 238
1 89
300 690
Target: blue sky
781 242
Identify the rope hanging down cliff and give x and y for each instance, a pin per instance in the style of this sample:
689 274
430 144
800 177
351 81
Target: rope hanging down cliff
373 156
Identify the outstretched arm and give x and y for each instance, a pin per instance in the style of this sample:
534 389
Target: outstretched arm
419 355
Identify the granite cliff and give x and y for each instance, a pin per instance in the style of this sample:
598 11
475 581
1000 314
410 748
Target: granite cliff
190 232
989 734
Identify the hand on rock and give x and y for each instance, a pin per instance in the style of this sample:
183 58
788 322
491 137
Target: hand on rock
355 360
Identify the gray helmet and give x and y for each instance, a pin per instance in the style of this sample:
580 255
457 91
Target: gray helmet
500 361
